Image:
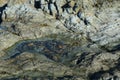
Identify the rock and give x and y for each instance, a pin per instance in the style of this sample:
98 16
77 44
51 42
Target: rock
18 13
59 39
14 2
54 50
51 8
3 2
42 4
27 61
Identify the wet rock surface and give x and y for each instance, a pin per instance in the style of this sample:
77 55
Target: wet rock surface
59 39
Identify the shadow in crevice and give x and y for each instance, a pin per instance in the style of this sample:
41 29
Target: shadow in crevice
49 7
56 8
65 7
1 12
115 48
37 4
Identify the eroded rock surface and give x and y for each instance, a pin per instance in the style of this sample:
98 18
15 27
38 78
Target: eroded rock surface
59 39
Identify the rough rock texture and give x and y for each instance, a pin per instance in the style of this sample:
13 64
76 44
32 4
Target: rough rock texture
59 39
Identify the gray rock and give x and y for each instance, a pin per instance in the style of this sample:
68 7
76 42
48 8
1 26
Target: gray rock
90 30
